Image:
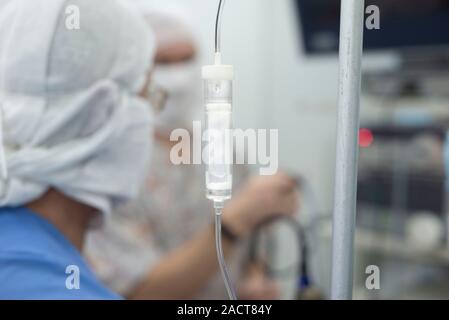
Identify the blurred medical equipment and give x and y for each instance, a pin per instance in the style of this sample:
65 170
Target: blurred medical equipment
218 101
53 135
401 171
404 25
424 230
265 242
414 30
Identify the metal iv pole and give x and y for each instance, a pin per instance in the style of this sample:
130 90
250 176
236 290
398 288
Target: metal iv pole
351 48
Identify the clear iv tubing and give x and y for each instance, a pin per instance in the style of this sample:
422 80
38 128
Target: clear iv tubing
219 201
221 261
218 26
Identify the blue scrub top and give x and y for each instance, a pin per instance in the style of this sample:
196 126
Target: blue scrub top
38 262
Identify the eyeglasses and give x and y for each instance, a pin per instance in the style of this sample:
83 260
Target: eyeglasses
157 96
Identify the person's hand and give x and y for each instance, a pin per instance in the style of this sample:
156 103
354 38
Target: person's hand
260 199
257 286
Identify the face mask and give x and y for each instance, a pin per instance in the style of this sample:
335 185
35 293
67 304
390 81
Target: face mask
99 163
183 83
118 172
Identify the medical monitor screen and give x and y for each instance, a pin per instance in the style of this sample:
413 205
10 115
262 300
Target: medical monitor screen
403 24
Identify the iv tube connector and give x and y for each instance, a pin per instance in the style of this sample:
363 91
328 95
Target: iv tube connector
218 206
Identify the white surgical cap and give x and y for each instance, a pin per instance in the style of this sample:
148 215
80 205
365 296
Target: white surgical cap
171 25
72 118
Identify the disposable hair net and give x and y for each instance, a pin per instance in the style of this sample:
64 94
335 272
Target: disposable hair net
72 119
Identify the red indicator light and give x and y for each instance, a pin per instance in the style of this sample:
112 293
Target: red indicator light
366 138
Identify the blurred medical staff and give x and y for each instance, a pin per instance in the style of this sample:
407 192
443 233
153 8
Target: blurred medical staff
162 246
76 133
